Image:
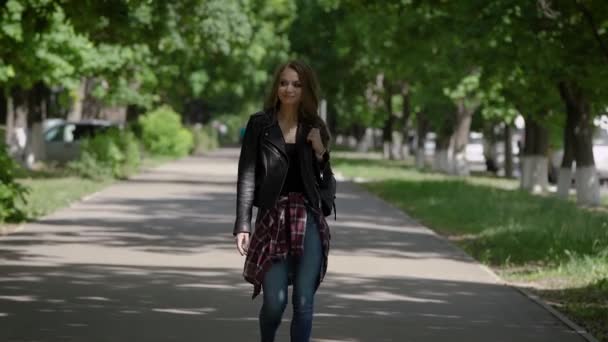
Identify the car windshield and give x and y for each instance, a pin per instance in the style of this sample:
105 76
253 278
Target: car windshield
54 134
73 132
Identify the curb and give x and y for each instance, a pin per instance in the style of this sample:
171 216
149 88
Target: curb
575 327
536 299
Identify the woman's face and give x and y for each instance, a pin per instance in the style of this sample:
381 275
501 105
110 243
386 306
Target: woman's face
290 88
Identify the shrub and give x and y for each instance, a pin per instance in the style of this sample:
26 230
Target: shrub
11 192
205 139
163 133
114 153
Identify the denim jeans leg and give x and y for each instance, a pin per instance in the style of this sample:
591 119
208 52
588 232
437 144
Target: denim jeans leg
305 283
274 289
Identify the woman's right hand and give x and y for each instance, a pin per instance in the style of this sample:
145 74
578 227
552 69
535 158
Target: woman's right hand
242 242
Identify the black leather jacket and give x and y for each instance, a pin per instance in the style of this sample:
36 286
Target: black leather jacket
263 167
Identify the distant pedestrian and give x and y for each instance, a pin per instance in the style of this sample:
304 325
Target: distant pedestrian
284 171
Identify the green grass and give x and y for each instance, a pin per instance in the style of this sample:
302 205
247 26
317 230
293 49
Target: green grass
49 194
542 241
53 188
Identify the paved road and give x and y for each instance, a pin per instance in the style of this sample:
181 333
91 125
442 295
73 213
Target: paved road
152 259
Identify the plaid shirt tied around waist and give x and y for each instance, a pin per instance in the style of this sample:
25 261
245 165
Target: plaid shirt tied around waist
280 232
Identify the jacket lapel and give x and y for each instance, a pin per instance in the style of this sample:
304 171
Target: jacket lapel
274 135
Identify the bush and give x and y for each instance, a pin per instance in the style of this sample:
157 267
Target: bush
205 139
163 133
114 153
11 192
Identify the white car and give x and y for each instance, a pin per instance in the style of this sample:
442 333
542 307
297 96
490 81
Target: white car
600 155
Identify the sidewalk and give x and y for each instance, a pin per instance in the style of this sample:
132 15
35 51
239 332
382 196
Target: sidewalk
152 259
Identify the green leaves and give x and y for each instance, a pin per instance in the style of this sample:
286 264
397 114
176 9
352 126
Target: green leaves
144 52
11 20
163 133
11 192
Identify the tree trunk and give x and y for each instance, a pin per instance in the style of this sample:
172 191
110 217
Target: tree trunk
421 131
442 160
75 113
564 177
586 178
17 114
490 140
10 118
461 138
387 137
508 141
443 143
34 103
534 160
91 107
366 142
387 130
405 116
331 117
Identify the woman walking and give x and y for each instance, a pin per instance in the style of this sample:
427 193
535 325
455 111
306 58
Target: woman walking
284 171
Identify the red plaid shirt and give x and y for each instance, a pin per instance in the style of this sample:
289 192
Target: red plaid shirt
269 240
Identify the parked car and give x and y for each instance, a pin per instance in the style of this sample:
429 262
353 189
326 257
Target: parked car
63 139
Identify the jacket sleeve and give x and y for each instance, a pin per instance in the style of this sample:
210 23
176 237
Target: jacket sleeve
324 162
245 187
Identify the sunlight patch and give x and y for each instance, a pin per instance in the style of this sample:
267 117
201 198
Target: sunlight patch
383 296
189 311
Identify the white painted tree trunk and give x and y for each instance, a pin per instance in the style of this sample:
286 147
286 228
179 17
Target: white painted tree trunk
526 172
587 186
441 161
564 180
36 148
397 148
386 150
420 158
534 174
460 166
366 141
540 172
405 150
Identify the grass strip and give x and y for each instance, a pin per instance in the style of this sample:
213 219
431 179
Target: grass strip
550 245
51 189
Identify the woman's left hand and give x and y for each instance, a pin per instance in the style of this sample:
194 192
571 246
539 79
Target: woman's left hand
314 137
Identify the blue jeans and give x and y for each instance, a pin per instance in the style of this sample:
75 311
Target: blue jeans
305 277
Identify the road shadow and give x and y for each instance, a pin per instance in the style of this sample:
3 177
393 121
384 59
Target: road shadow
155 261
97 302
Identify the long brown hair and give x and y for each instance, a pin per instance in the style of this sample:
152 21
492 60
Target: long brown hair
307 111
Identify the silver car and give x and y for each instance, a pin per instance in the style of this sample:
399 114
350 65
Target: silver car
63 140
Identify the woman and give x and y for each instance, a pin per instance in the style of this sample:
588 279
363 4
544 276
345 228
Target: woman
284 170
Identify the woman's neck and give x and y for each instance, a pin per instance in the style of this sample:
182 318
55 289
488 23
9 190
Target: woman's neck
288 114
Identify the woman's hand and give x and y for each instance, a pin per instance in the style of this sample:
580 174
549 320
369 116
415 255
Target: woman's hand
314 137
242 242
